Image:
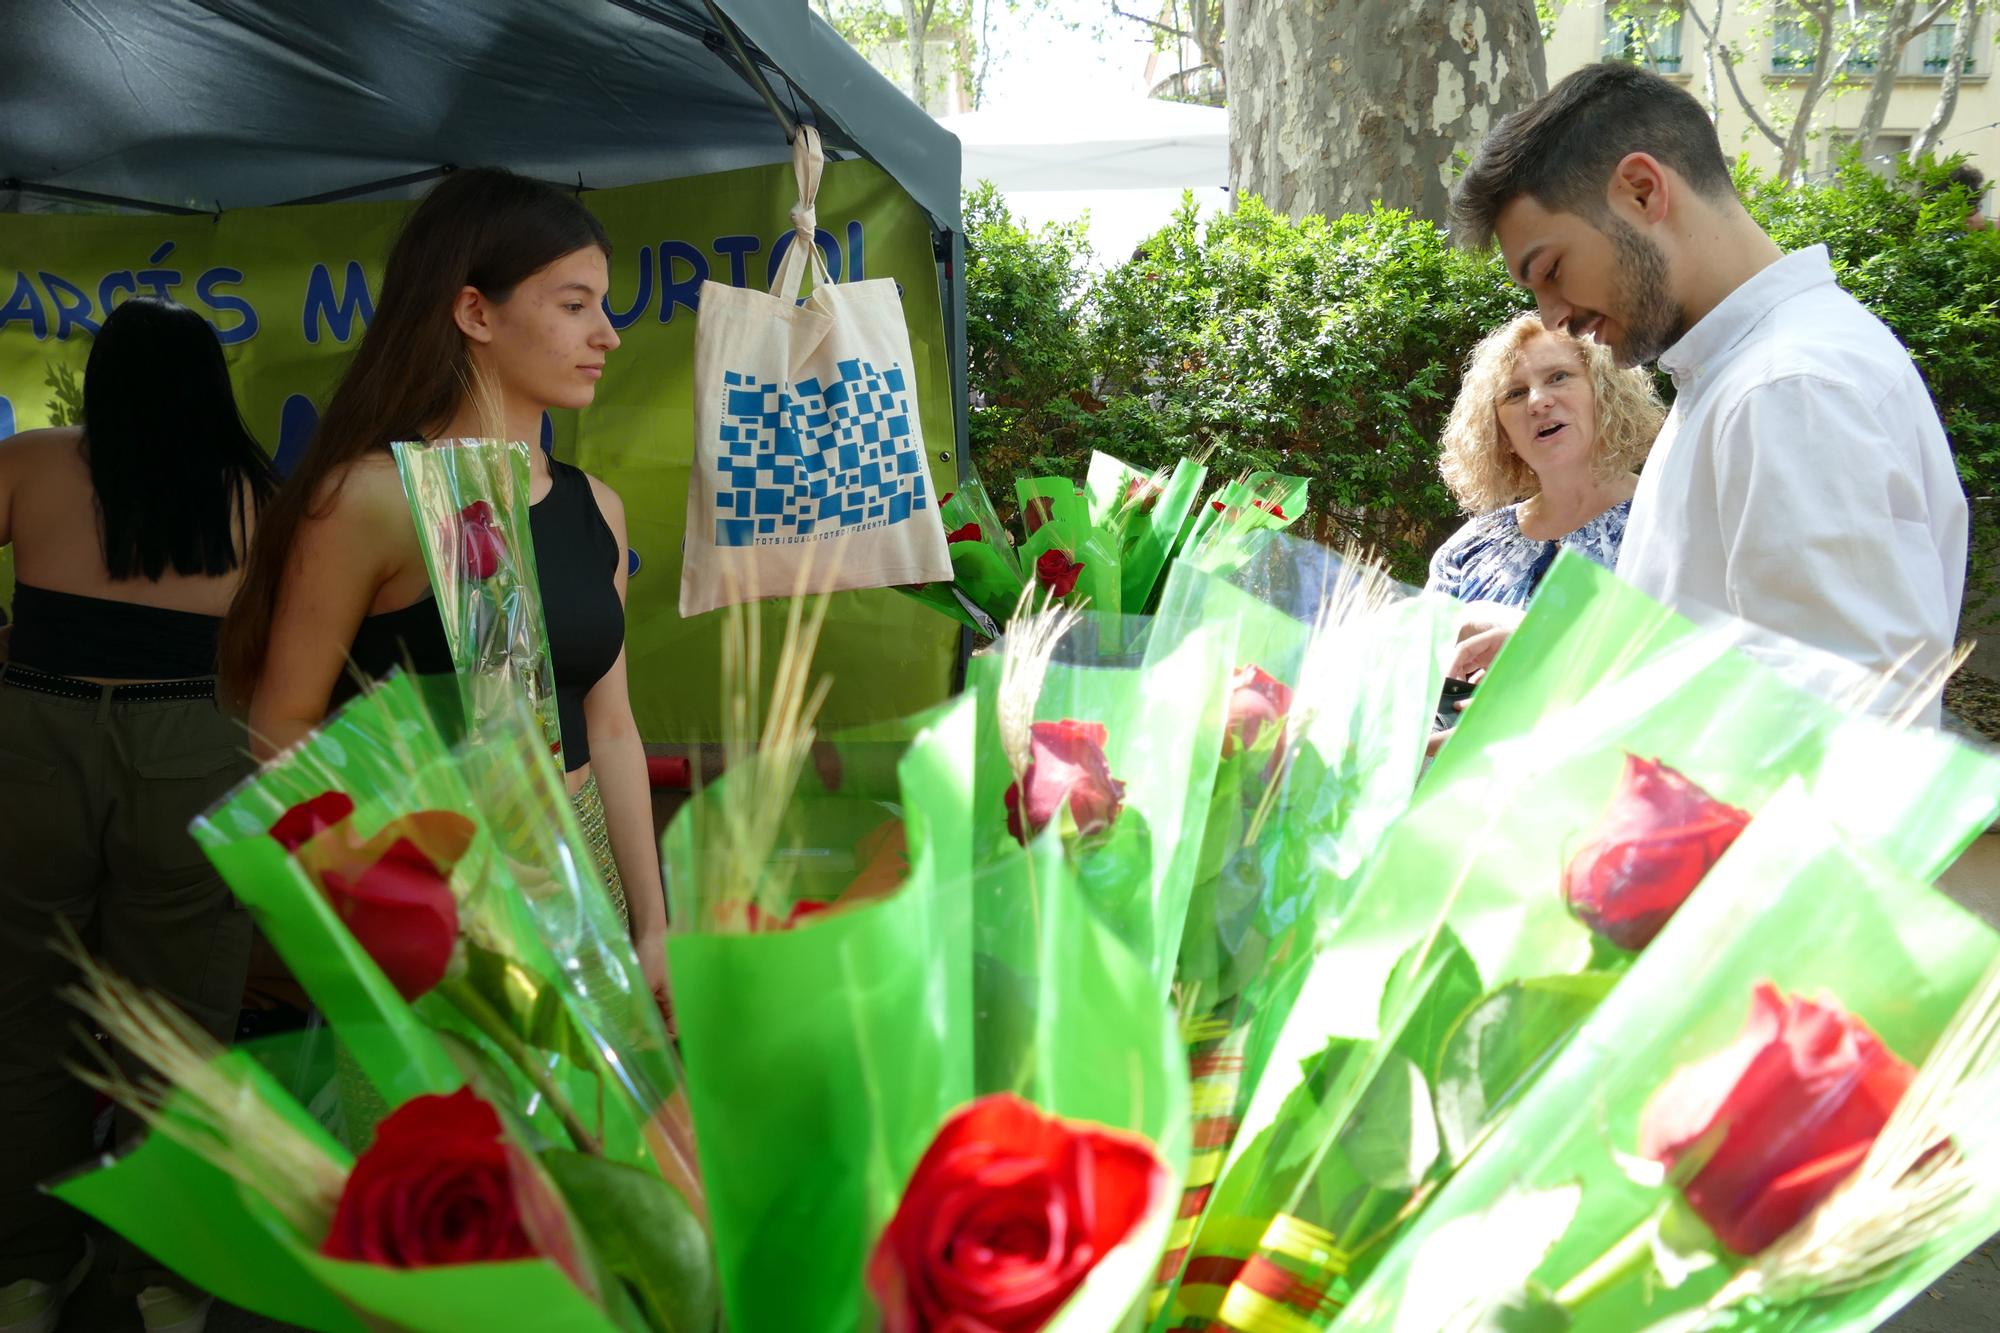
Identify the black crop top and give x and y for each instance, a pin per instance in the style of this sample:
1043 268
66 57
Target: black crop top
576 559
69 634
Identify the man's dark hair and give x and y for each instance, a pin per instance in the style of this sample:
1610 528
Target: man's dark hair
1969 176
1561 150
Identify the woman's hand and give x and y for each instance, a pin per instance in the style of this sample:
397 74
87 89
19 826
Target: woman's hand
652 949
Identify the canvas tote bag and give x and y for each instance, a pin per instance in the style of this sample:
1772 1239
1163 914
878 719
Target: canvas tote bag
808 450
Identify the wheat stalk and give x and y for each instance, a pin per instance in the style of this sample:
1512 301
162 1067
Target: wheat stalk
219 1114
1032 638
1915 1187
773 747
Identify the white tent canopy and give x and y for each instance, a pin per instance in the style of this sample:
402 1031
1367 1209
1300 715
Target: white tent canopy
1129 143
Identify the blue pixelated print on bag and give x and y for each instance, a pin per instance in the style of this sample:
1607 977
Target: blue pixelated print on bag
821 461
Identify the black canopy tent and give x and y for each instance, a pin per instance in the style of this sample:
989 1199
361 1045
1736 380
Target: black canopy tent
197 106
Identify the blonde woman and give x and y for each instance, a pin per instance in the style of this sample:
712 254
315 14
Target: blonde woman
1541 449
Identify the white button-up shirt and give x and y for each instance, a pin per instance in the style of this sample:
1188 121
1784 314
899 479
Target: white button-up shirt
1802 481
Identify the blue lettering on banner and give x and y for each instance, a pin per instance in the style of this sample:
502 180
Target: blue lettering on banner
737 250
222 303
25 306
684 292
819 462
828 246
6 417
338 314
296 423
73 313
625 319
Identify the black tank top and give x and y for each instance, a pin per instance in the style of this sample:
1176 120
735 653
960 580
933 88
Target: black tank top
576 558
69 634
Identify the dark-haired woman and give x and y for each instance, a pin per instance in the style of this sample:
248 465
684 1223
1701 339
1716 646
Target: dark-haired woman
491 312
128 536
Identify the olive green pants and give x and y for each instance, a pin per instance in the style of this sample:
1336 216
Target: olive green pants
95 798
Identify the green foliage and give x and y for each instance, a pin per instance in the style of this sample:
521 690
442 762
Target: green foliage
1331 348
65 395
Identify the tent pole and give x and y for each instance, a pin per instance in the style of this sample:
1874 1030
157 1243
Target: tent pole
750 70
374 187
92 197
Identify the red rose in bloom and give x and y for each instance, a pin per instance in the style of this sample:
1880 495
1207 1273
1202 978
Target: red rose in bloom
435 1187
1055 571
1005 1216
1066 766
1036 512
968 533
1652 847
1254 700
1796 1100
308 819
483 547
401 910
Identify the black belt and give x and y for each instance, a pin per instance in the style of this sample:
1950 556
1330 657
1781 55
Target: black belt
70 687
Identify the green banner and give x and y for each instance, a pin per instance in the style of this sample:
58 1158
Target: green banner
289 291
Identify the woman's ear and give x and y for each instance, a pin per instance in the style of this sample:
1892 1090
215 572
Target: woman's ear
473 314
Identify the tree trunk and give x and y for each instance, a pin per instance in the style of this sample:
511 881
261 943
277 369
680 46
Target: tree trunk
1961 47
1336 103
917 30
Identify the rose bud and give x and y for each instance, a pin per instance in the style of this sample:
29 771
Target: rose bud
1067 767
1782 1114
1005 1216
1255 699
968 533
308 819
1058 573
483 547
435 1187
1653 845
401 910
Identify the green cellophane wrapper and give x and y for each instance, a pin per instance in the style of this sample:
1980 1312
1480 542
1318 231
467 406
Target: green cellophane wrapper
525 885
1241 506
1160 702
1144 517
469 499
1066 1015
1463 908
822 1054
198 1220
1285 842
1792 904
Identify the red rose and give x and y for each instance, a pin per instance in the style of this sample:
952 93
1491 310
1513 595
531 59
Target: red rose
1055 571
401 910
483 546
1036 512
308 819
1066 767
1271 507
1652 847
1005 1216
968 533
1786 1111
1254 700
435 1187
1142 493
1216 505
945 499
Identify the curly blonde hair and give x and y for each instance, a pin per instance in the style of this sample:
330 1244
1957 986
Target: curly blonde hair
1482 469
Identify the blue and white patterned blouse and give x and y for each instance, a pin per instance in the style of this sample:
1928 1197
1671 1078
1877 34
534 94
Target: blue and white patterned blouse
1490 559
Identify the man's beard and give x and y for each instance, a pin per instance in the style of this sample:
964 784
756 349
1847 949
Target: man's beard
1652 320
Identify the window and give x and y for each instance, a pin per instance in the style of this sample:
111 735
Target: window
1793 47
1644 34
1934 49
1881 154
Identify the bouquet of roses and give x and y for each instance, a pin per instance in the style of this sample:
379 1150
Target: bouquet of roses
1742 1135
1318 758
457 1215
1110 540
1558 830
824 903
470 502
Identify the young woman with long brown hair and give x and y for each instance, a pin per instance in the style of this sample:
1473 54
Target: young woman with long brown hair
491 305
